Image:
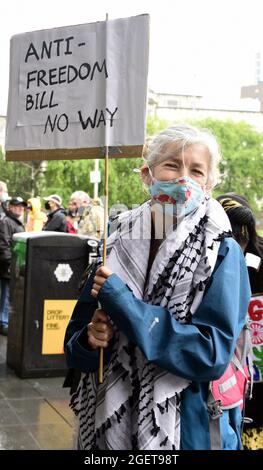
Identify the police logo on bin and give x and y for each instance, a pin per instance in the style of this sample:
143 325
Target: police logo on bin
63 272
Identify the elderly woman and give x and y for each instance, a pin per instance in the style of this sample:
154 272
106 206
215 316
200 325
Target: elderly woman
171 310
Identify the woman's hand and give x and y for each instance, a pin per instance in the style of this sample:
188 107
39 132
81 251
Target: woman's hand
99 330
101 276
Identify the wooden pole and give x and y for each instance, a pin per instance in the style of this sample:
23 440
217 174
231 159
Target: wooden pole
105 231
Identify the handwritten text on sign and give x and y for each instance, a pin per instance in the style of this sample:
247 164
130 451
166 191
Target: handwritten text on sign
45 84
80 86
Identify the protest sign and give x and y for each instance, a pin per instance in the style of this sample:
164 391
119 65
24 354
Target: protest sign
77 89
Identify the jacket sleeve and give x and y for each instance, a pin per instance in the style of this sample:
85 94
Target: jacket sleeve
63 227
78 354
57 223
6 234
199 351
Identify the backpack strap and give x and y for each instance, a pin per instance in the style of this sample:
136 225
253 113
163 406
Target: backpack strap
215 412
215 435
247 372
243 359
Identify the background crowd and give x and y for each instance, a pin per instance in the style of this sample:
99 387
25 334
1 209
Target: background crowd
83 215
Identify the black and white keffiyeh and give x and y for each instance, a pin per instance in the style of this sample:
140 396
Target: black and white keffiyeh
136 407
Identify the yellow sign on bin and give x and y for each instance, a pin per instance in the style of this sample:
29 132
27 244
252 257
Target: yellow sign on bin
57 314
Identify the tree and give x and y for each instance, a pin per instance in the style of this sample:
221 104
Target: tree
242 159
155 125
241 168
25 179
65 176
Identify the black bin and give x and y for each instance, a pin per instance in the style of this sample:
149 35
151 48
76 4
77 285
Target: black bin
46 270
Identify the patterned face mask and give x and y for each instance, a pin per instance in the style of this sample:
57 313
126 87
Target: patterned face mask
177 196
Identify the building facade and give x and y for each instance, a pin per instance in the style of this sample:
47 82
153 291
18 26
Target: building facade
181 108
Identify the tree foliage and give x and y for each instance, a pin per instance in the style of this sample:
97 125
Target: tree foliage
241 168
65 176
23 178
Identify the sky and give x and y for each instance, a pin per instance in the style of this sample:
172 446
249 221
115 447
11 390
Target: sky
203 47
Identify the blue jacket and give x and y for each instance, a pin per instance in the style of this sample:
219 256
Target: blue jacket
200 351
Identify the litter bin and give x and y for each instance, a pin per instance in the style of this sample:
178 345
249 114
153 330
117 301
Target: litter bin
46 269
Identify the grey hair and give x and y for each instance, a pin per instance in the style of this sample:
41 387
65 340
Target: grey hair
81 195
186 136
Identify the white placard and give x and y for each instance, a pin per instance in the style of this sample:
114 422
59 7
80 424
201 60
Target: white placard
79 87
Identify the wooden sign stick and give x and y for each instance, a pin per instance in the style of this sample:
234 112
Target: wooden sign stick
105 231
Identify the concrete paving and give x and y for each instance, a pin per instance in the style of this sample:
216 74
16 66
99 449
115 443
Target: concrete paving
34 413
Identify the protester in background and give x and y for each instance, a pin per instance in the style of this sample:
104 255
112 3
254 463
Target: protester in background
11 223
90 214
71 220
56 219
35 217
3 198
244 229
92 220
79 200
173 301
3 201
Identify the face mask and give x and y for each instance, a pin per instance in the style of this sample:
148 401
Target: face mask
47 206
179 196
